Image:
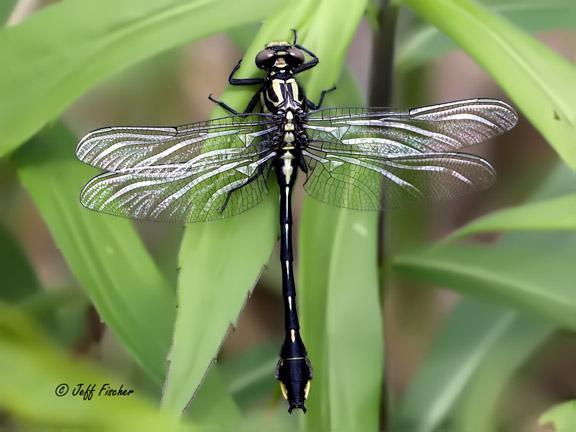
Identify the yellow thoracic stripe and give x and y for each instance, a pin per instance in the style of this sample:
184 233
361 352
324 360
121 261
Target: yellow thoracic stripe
295 91
277 88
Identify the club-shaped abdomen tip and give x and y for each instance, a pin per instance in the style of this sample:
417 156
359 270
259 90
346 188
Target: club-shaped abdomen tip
294 375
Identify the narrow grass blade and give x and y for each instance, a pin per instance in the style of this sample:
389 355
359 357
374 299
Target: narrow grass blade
353 340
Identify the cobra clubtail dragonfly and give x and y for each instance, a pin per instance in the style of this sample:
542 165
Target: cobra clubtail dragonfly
357 158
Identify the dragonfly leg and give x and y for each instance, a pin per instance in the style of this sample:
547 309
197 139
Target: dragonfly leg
308 65
223 105
243 81
253 102
302 164
249 180
311 104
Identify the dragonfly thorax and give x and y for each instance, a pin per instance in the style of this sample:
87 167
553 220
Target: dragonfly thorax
281 93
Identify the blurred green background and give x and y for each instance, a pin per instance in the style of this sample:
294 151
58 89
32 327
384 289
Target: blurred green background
455 317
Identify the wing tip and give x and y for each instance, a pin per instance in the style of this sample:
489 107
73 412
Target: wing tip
508 113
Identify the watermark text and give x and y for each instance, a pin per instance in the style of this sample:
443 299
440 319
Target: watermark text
89 391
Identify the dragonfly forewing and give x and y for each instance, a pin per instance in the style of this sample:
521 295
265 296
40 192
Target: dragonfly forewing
438 128
119 149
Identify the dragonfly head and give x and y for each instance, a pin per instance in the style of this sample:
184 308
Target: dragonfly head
294 376
279 55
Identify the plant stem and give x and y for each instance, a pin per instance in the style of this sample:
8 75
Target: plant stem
382 68
380 95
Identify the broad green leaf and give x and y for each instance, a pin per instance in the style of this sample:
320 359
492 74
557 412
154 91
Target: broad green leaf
60 52
538 80
538 278
104 252
546 215
31 370
18 278
426 43
221 261
474 334
562 416
213 408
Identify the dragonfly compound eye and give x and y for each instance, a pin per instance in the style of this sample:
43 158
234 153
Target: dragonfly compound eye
265 58
295 56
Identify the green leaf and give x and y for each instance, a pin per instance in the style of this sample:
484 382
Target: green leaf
536 277
353 344
537 79
562 416
546 215
31 370
18 278
215 280
213 408
474 334
104 252
426 43
60 52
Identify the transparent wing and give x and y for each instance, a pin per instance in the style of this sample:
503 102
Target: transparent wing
369 183
208 187
438 128
118 149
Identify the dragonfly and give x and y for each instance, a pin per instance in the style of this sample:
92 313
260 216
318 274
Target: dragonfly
355 158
